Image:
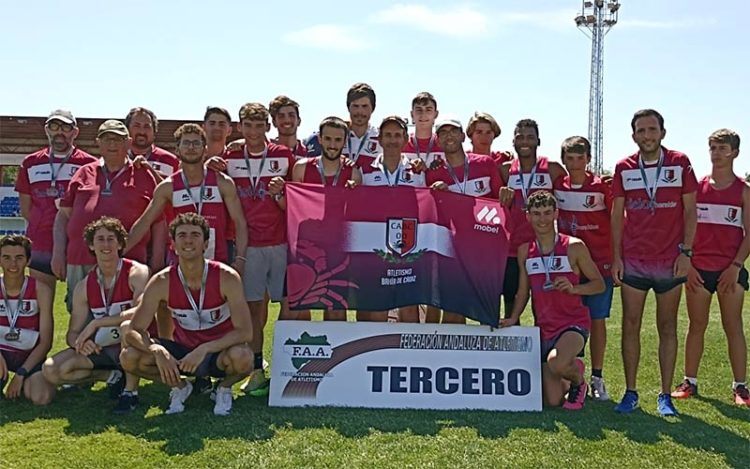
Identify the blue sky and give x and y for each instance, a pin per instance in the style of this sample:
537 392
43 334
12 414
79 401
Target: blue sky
512 58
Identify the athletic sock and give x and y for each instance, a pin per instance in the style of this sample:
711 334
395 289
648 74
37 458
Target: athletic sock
738 383
693 381
258 364
596 372
129 393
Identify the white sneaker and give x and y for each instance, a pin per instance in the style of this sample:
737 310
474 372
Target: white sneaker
177 398
223 401
598 390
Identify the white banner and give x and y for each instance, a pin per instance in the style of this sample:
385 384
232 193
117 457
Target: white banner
398 365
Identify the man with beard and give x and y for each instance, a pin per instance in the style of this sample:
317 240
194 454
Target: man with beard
472 175
482 130
217 123
212 325
328 169
523 176
423 144
143 125
361 145
654 220
42 180
285 118
111 186
203 191
26 324
112 287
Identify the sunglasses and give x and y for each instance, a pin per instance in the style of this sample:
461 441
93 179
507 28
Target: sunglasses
54 126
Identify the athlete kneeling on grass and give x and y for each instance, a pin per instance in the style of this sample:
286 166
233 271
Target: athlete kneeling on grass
25 324
551 267
109 289
211 319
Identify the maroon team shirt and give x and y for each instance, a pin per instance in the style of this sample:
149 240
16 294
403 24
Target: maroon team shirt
162 160
266 222
653 234
483 179
132 190
312 174
539 178
35 179
28 319
720 231
584 212
426 149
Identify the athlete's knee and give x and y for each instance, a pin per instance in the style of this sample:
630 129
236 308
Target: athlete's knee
557 365
40 395
130 358
240 359
51 370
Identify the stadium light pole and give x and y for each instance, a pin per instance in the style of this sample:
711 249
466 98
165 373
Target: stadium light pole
597 17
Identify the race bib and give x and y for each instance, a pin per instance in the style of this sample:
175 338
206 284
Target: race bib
106 336
26 340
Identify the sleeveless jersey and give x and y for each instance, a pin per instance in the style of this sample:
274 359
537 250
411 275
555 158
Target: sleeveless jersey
122 299
312 173
585 214
720 231
192 328
519 228
554 311
426 149
27 322
213 209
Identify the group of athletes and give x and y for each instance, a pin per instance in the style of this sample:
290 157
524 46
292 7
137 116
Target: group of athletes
171 261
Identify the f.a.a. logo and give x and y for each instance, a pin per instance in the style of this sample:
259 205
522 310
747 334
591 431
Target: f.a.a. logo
401 235
669 175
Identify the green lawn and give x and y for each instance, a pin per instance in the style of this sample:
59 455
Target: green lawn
78 430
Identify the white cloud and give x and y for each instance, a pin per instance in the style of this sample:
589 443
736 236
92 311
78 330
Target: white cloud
329 37
461 21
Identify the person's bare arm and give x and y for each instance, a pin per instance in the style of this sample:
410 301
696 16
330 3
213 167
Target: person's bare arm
162 196
237 214
24 201
617 223
46 326
728 278
522 296
580 258
156 290
556 171
60 242
690 222
159 241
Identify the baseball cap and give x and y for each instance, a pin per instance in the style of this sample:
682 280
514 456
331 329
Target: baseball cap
63 116
114 127
398 120
452 121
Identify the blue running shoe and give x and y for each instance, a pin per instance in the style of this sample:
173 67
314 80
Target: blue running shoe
665 407
628 403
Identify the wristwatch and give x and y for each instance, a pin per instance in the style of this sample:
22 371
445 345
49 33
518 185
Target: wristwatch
278 196
23 372
688 252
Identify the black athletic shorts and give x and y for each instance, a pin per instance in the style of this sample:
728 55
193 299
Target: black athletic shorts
208 366
549 344
711 279
107 359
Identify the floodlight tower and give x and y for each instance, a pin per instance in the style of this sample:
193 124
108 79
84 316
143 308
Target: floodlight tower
595 20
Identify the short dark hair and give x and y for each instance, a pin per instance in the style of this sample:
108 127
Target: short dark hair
190 218
647 113
142 110
217 110
254 112
280 101
541 199
189 128
424 98
110 224
727 136
527 123
333 121
398 120
575 144
360 90
17 240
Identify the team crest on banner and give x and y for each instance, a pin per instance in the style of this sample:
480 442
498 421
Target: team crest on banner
401 235
731 214
669 175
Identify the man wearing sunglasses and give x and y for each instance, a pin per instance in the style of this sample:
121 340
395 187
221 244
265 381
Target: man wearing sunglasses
42 181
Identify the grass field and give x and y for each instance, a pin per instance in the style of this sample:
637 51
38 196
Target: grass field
78 430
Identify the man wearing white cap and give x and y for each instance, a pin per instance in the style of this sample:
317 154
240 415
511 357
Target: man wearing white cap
42 180
468 174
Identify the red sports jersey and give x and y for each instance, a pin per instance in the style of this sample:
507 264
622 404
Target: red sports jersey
501 157
213 322
299 151
720 230
362 150
161 160
426 149
35 180
537 179
266 223
554 311
653 234
27 321
132 190
377 175
312 173
212 209
121 299
585 214
483 178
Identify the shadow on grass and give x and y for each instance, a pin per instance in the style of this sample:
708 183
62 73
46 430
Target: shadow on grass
89 412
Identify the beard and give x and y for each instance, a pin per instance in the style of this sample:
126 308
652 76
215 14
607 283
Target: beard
331 156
